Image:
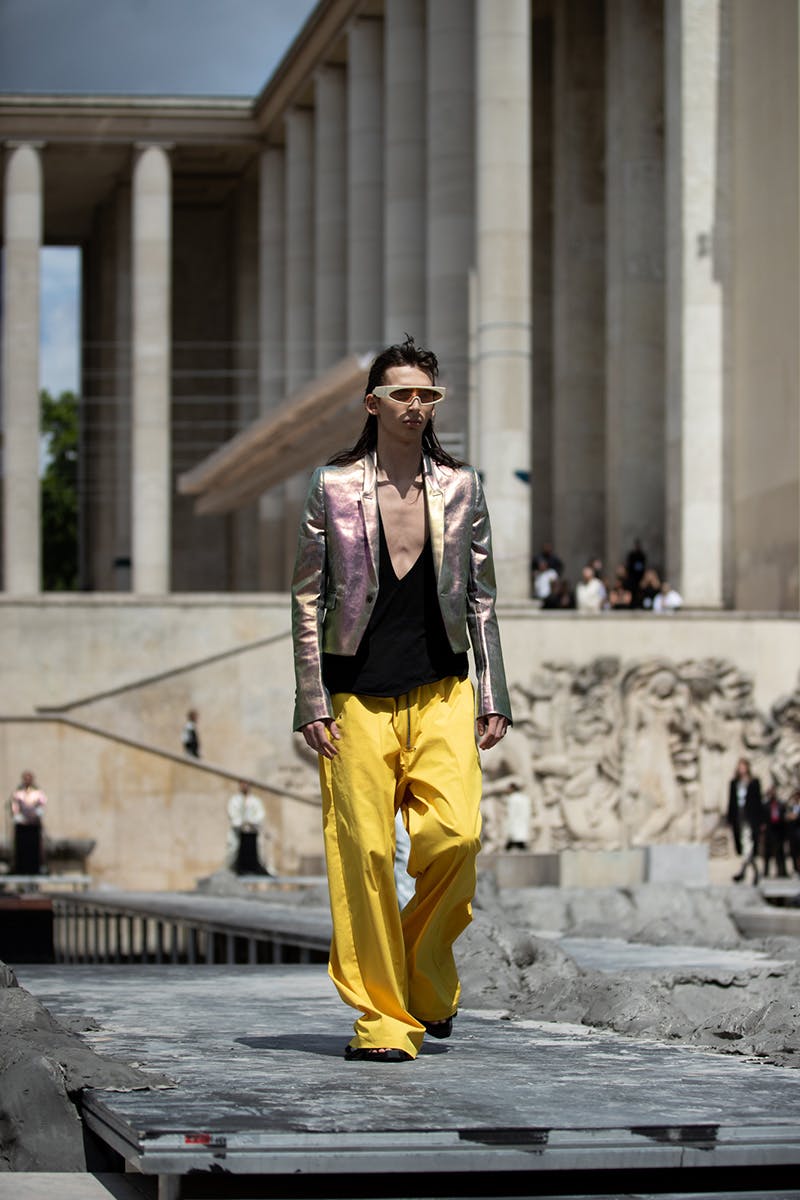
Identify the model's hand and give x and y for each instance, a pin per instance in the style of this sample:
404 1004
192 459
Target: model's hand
491 729
320 736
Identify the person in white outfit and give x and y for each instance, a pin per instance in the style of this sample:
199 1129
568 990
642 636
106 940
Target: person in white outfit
246 817
518 817
668 599
590 592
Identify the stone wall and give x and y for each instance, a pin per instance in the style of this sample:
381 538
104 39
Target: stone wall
627 725
159 820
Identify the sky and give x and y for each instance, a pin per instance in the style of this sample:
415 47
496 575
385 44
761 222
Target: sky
145 47
131 47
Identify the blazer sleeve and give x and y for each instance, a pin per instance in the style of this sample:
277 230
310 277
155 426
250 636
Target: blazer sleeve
484 633
312 700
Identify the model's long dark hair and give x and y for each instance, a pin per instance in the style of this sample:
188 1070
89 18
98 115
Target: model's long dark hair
404 354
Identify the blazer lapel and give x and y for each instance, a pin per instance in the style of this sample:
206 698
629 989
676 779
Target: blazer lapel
369 511
435 499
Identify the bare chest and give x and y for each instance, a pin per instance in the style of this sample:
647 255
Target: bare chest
405 524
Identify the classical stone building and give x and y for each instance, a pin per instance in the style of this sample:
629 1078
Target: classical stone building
587 207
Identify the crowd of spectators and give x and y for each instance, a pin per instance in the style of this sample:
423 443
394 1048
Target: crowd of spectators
634 585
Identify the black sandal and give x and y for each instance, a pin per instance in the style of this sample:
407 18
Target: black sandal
375 1054
439 1029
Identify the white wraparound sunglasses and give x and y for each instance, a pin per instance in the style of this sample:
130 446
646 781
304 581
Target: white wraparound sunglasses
427 395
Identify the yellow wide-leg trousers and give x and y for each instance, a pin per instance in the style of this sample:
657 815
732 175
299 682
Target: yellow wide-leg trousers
418 753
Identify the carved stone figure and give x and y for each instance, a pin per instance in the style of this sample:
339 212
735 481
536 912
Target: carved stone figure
624 754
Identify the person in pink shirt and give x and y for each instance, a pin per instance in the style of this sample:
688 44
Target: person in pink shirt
28 803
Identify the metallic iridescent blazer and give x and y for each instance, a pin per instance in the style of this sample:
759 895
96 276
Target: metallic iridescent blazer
336 576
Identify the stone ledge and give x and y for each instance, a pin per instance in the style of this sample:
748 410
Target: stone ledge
673 863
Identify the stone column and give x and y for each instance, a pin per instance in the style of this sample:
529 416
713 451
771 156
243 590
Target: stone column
104 460
122 388
299 293
694 341
635 279
151 224
450 185
404 212
503 234
330 216
542 403
244 569
758 166
365 185
271 348
21 499
579 285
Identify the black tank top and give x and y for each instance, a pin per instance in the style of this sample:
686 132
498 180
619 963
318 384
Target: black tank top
405 643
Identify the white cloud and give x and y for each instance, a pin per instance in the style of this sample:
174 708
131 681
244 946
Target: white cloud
60 319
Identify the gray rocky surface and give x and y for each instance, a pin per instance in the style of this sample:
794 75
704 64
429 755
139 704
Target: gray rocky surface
665 962
511 959
43 1068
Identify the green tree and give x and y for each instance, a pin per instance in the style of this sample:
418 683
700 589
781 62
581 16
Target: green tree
59 423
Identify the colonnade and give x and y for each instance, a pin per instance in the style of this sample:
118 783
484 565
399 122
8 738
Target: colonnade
150 367
430 177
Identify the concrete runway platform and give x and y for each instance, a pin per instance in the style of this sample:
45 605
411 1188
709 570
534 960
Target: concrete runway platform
505 1107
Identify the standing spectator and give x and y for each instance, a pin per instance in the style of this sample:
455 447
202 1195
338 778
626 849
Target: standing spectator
246 816
190 737
793 830
544 579
635 565
667 599
518 817
28 803
744 817
774 824
590 593
550 557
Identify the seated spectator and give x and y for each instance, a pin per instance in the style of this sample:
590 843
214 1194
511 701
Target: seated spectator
550 558
590 592
773 822
544 579
620 594
560 595
651 586
667 599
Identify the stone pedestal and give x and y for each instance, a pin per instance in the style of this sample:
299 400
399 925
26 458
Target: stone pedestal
517 870
602 868
677 863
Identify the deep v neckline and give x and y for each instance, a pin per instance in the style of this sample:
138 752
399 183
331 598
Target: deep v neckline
384 545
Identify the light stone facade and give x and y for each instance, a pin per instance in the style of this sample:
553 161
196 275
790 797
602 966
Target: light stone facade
588 209
627 728
558 196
